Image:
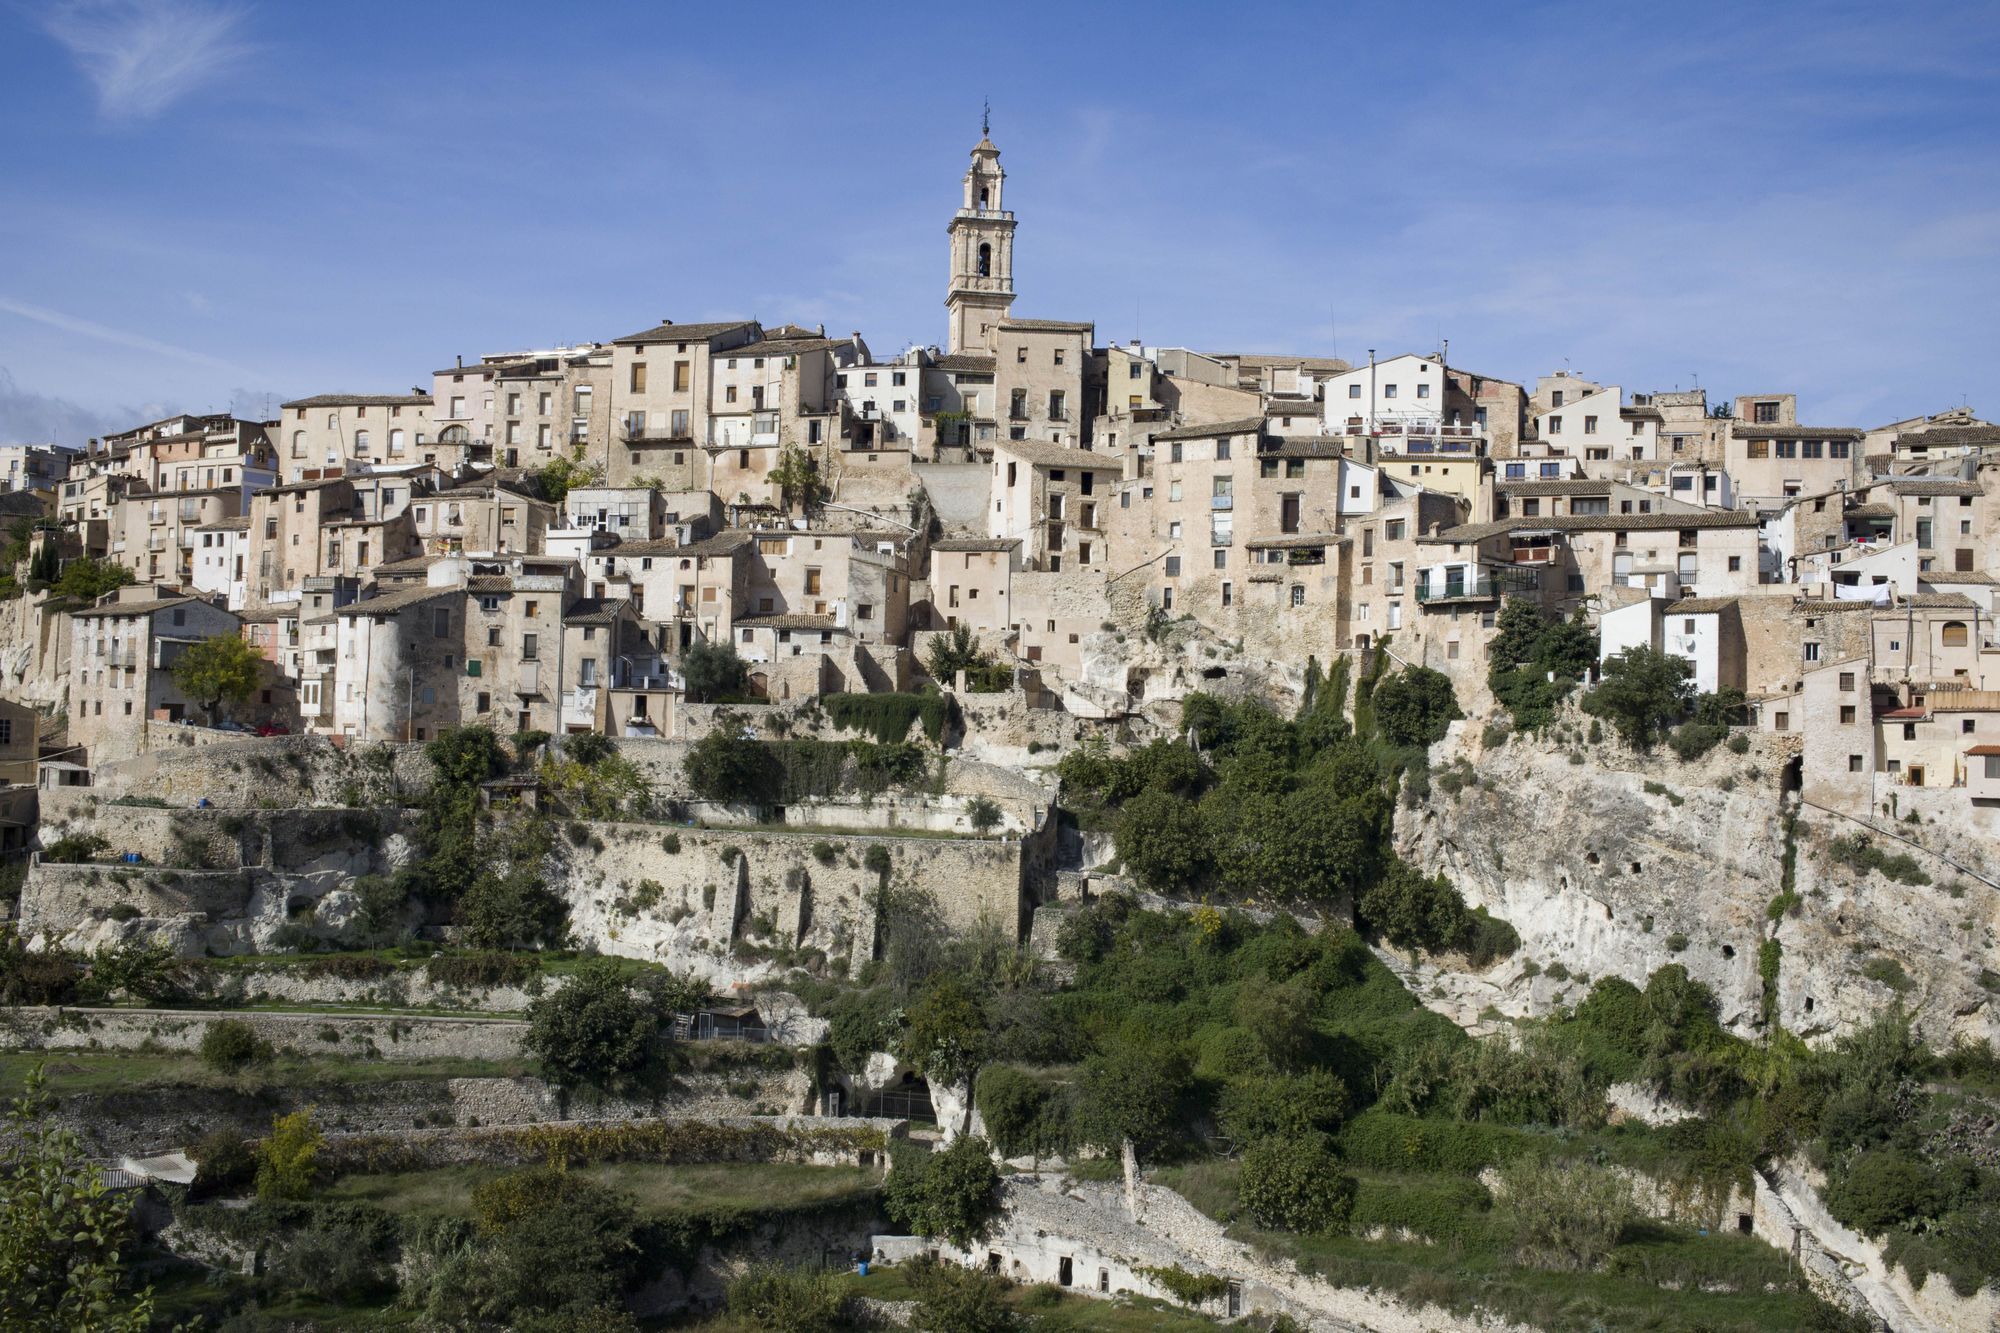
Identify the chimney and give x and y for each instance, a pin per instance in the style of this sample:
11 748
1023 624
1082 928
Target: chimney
665 322
461 361
820 328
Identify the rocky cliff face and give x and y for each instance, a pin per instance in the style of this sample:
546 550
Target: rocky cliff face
1622 863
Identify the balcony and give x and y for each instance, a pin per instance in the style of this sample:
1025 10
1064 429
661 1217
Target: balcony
994 214
1462 590
1221 502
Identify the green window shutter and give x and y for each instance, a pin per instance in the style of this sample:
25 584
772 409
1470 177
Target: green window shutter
472 666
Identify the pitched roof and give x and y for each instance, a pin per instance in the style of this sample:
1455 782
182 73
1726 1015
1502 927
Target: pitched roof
1057 455
1811 606
1699 606
415 564
1050 325
1307 446
129 610
389 603
786 622
976 544
1934 486
1291 540
1701 518
1961 577
361 400
1941 601
224 524
967 363
1208 430
1331 364
685 333
595 610
1881 510
1751 431
722 543
768 346
1566 486
1951 435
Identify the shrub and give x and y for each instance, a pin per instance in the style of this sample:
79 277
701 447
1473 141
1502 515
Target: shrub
1023 1114
1566 1218
887 716
671 844
825 853
984 814
952 1193
1882 1189
39 976
1739 743
876 861
1446 1210
76 848
1692 740
224 1161
1415 706
1888 971
1677 943
594 1030
1296 1184
492 967
1858 853
288 1160
1643 690
231 1044
954 1299
1188 1288
789 1300
713 671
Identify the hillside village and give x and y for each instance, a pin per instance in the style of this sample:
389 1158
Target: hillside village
1001 747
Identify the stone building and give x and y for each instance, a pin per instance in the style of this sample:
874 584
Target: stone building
122 652
337 432
662 391
1057 500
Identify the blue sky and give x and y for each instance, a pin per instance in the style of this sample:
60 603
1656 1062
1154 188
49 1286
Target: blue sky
201 205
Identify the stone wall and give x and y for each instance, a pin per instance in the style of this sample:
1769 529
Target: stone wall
148 1120
777 891
376 1037
230 769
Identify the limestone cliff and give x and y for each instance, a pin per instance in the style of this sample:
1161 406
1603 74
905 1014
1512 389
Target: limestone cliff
1611 862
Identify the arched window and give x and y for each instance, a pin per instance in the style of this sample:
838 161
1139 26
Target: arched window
454 435
1954 634
982 196
360 441
1298 594
985 260
298 444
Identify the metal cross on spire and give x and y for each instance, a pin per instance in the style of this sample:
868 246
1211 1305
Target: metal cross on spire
985 118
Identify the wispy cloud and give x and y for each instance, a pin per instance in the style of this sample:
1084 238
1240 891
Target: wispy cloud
56 319
144 55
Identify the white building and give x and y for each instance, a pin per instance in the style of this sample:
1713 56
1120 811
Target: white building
1598 429
34 467
1404 395
220 551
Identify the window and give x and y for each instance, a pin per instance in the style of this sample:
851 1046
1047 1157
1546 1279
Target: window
1854 763
1423 391
1221 450
1298 594
1590 425
1847 713
1354 391
1058 405
1847 682
1764 414
683 376
1174 452
638 378
1812 651
1955 634
1735 564
440 623
529 646
1222 557
1173 566
1757 449
1555 425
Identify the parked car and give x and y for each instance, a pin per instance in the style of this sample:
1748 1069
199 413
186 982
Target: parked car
232 726
273 729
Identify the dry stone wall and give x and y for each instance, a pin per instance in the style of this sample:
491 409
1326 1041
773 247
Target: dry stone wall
380 1037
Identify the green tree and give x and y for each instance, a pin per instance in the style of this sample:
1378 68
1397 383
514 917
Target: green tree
1133 1094
944 1032
288 1158
1163 841
221 667
952 1298
1643 691
775 1299
1412 910
1296 1183
1567 648
592 1030
728 766
553 1251
957 649
1519 629
560 475
60 1230
796 475
1565 1217
88 579
951 1193
713 671
1415 706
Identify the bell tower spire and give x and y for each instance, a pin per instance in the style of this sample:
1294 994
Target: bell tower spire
982 250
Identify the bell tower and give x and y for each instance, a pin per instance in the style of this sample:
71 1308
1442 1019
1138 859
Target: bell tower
982 252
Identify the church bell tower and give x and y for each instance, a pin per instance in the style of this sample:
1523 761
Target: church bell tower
982 253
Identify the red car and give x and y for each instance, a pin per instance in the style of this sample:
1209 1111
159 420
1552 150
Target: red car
273 729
